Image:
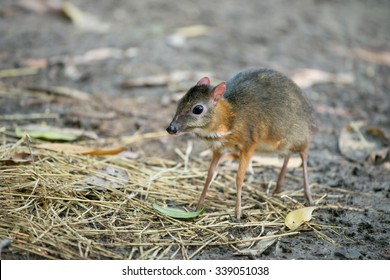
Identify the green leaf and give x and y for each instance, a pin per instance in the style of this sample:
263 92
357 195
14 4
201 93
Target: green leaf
47 134
177 213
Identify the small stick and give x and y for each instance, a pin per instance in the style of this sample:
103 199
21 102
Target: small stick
358 132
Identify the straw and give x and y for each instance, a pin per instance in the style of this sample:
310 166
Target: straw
70 206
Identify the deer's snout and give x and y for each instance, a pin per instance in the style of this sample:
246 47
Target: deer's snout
172 128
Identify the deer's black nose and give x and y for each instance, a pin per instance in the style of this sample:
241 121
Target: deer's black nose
172 129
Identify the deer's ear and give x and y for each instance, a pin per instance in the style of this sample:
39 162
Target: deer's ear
218 92
203 81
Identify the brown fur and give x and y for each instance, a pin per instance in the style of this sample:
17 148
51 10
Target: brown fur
261 110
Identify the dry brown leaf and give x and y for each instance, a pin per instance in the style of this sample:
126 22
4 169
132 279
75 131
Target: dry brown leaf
17 158
106 151
66 148
78 149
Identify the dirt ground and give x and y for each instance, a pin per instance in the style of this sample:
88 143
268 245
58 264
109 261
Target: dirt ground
349 39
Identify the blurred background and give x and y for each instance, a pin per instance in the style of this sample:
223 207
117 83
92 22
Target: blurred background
117 68
134 59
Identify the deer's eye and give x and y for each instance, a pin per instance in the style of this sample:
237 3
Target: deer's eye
197 110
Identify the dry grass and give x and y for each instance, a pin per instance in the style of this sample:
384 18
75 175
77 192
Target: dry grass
68 206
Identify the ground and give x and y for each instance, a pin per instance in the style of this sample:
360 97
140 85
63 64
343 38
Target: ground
349 39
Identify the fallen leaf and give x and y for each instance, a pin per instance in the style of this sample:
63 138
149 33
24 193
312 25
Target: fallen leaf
101 54
261 245
377 57
70 92
18 158
306 78
51 133
106 151
193 30
94 55
296 218
358 143
163 79
108 178
129 155
65 148
374 57
78 149
82 20
179 38
176 212
46 134
41 6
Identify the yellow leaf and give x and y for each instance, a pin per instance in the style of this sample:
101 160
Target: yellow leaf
192 31
297 217
83 20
